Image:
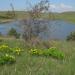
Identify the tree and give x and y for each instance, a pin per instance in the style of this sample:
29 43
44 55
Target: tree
13 11
71 36
11 14
33 26
13 32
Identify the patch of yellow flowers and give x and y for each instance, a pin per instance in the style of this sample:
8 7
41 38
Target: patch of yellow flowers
53 52
36 52
18 50
4 46
8 54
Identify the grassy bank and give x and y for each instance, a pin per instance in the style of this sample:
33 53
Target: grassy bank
5 18
27 64
67 16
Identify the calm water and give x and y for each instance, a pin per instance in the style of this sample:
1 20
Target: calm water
4 28
57 29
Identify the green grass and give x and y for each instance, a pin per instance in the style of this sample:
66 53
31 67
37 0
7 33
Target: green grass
67 16
27 64
4 18
50 52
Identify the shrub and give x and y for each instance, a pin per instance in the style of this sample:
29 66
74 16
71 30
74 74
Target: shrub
7 49
7 59
53 51
4 48
36 52
13 32
71 36
17 50
8 54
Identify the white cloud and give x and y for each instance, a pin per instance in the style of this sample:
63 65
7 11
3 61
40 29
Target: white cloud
61 7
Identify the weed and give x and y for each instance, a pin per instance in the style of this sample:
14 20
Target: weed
53 51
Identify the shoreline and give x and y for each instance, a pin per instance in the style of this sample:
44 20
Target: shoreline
6 21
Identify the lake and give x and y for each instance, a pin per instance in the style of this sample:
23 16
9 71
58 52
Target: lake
57 29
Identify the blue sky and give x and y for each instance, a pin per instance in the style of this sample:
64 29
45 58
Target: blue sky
55 5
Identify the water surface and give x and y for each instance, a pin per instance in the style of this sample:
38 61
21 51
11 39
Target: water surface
57 29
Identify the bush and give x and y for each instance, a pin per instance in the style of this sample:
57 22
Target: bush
13 32
6 59
71 36
8 54
54 52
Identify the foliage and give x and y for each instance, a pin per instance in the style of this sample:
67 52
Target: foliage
71 36
8 54
53 51
13 32
7 59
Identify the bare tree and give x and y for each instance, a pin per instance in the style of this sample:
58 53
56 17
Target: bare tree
34 26
38 9
13 11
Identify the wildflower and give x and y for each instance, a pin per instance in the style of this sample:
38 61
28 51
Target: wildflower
4 46
6 55
18 50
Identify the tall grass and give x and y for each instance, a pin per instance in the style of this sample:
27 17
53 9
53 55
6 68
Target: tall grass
27 64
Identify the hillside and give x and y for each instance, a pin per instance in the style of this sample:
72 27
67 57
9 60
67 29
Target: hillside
68 16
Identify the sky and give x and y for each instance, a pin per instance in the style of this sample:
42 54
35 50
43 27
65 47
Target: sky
55 5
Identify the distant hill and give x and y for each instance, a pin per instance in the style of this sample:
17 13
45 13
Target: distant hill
69 12
68 16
